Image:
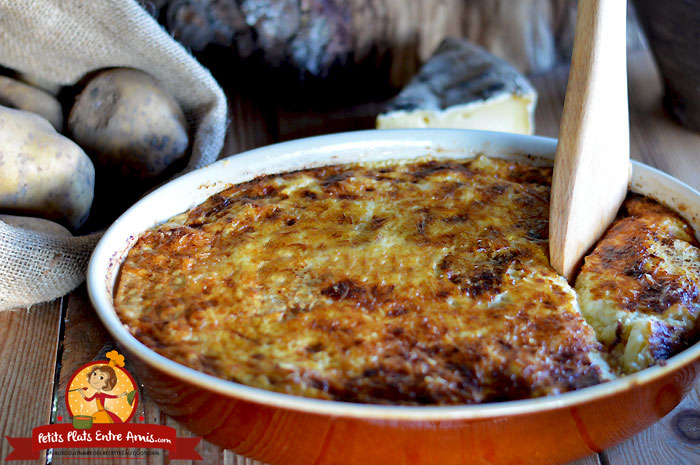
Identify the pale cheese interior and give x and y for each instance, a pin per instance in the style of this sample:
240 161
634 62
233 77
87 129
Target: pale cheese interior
513 113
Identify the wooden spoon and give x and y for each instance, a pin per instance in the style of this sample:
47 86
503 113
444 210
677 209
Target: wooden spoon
591 168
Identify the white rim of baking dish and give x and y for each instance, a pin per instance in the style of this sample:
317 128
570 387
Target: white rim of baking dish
193 188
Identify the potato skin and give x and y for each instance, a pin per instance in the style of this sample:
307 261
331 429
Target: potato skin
39 225
42 172
16 94
125 121
40 83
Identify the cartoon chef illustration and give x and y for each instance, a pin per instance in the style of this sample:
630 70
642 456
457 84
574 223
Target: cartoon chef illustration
103 378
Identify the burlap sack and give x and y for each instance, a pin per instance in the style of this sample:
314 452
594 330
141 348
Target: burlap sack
59 41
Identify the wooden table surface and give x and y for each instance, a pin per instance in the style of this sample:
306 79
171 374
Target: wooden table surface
42 346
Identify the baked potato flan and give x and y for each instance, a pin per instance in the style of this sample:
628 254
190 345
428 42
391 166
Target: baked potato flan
422 282
640 287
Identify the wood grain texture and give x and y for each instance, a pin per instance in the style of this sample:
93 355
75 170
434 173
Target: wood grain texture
552 89
83 338
592 459
656 139
671 28
298 122
28 347
591 168
252 125
231 458
673 440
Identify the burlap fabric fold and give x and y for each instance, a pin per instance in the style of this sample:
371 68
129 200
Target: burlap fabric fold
60 41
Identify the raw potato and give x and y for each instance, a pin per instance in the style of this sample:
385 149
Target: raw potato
16 94
35 81
42 172
125 121
35 224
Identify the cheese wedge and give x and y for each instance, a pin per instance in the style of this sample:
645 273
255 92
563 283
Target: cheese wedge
464 86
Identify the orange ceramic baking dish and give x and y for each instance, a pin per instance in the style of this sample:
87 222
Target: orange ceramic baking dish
282 429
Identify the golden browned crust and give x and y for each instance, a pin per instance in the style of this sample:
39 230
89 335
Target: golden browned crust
640 287
414 283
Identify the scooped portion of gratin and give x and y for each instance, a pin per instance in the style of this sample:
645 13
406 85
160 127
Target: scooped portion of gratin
418 282
640 287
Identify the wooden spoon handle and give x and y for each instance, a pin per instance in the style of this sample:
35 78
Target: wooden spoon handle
591 168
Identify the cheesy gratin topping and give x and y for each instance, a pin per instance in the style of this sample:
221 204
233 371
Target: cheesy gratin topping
415 282
640 287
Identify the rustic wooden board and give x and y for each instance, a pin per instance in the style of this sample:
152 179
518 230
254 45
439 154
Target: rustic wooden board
590 460
673 440
655 138
252 124
28 346
83 338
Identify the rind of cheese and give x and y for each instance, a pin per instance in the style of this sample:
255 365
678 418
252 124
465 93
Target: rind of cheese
423 282
464 86
640 287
